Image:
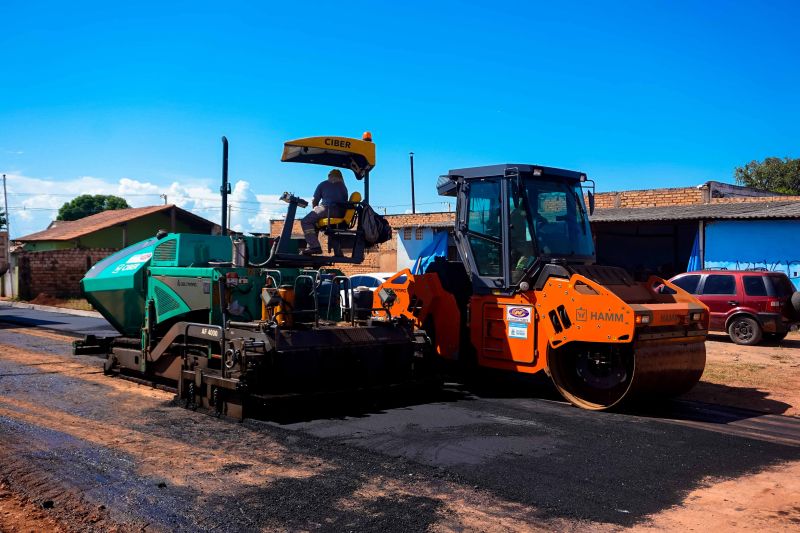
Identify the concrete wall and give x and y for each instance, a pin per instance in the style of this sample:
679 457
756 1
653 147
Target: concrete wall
56 272
410 242
747 244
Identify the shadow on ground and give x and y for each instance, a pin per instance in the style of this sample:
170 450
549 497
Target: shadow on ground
747 401
789 342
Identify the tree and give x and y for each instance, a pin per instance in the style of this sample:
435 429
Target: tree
772 174
3 221
86 204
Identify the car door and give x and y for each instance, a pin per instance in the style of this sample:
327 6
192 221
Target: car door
720 293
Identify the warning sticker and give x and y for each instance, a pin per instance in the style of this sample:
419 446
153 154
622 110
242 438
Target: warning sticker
518 314
139 258
517 330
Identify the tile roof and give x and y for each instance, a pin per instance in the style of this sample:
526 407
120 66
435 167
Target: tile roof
70 230
712 211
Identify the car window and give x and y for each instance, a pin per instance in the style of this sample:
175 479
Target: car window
754 286
374 282
357 281
781 285
719 284
688 283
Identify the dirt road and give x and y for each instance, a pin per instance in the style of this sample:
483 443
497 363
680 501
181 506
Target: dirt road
80 451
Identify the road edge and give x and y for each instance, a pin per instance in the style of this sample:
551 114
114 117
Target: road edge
51 309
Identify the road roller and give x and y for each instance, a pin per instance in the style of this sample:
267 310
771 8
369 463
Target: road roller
526 296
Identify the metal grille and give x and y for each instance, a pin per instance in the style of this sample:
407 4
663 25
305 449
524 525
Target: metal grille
164 302
166 251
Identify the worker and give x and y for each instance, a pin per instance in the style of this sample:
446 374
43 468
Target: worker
329 201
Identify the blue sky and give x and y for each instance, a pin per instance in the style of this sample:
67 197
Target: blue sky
132 98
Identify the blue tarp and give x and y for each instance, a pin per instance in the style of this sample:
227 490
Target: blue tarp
437 248
694 259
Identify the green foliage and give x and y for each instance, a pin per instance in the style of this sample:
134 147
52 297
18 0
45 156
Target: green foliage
772 174
86 204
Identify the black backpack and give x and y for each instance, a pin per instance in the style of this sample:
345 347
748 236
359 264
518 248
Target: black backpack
375 227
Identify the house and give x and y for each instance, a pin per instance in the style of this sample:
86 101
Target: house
54 260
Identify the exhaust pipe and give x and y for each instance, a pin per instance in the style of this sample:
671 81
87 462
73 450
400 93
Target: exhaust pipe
226 187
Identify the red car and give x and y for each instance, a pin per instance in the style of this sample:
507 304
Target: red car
748 305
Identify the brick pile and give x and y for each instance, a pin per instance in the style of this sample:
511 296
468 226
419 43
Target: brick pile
56 272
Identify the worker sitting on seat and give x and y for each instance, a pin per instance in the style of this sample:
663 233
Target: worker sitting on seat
329 202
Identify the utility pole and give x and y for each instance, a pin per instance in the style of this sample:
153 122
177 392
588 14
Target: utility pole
7 275
5 208
413 201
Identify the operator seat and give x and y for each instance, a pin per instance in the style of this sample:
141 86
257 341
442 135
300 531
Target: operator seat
346 221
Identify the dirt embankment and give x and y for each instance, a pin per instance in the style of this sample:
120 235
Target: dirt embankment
764 378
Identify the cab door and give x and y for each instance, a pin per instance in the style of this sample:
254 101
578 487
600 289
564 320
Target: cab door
481 228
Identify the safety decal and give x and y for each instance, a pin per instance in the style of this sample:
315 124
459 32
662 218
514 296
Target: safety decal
518 314
139 258
517 330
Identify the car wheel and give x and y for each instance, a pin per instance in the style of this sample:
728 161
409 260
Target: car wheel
744 330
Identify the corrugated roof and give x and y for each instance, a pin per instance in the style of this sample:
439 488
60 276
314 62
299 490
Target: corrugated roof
713 211
78 228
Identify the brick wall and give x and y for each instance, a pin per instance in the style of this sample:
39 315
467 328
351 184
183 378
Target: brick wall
650 198
381 258
397 221
754 199
57 272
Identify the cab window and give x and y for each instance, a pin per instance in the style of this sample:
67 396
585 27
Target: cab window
483 223
719 284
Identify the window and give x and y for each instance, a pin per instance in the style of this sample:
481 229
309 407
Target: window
484 208
781 285
688 283
406 234
720 284
418 235
754 286
483 223
487 256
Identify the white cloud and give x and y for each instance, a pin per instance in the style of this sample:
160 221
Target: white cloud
34 202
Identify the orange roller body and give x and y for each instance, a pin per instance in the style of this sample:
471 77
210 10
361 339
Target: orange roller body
527 297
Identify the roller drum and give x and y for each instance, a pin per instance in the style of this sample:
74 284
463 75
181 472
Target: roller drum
602 376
